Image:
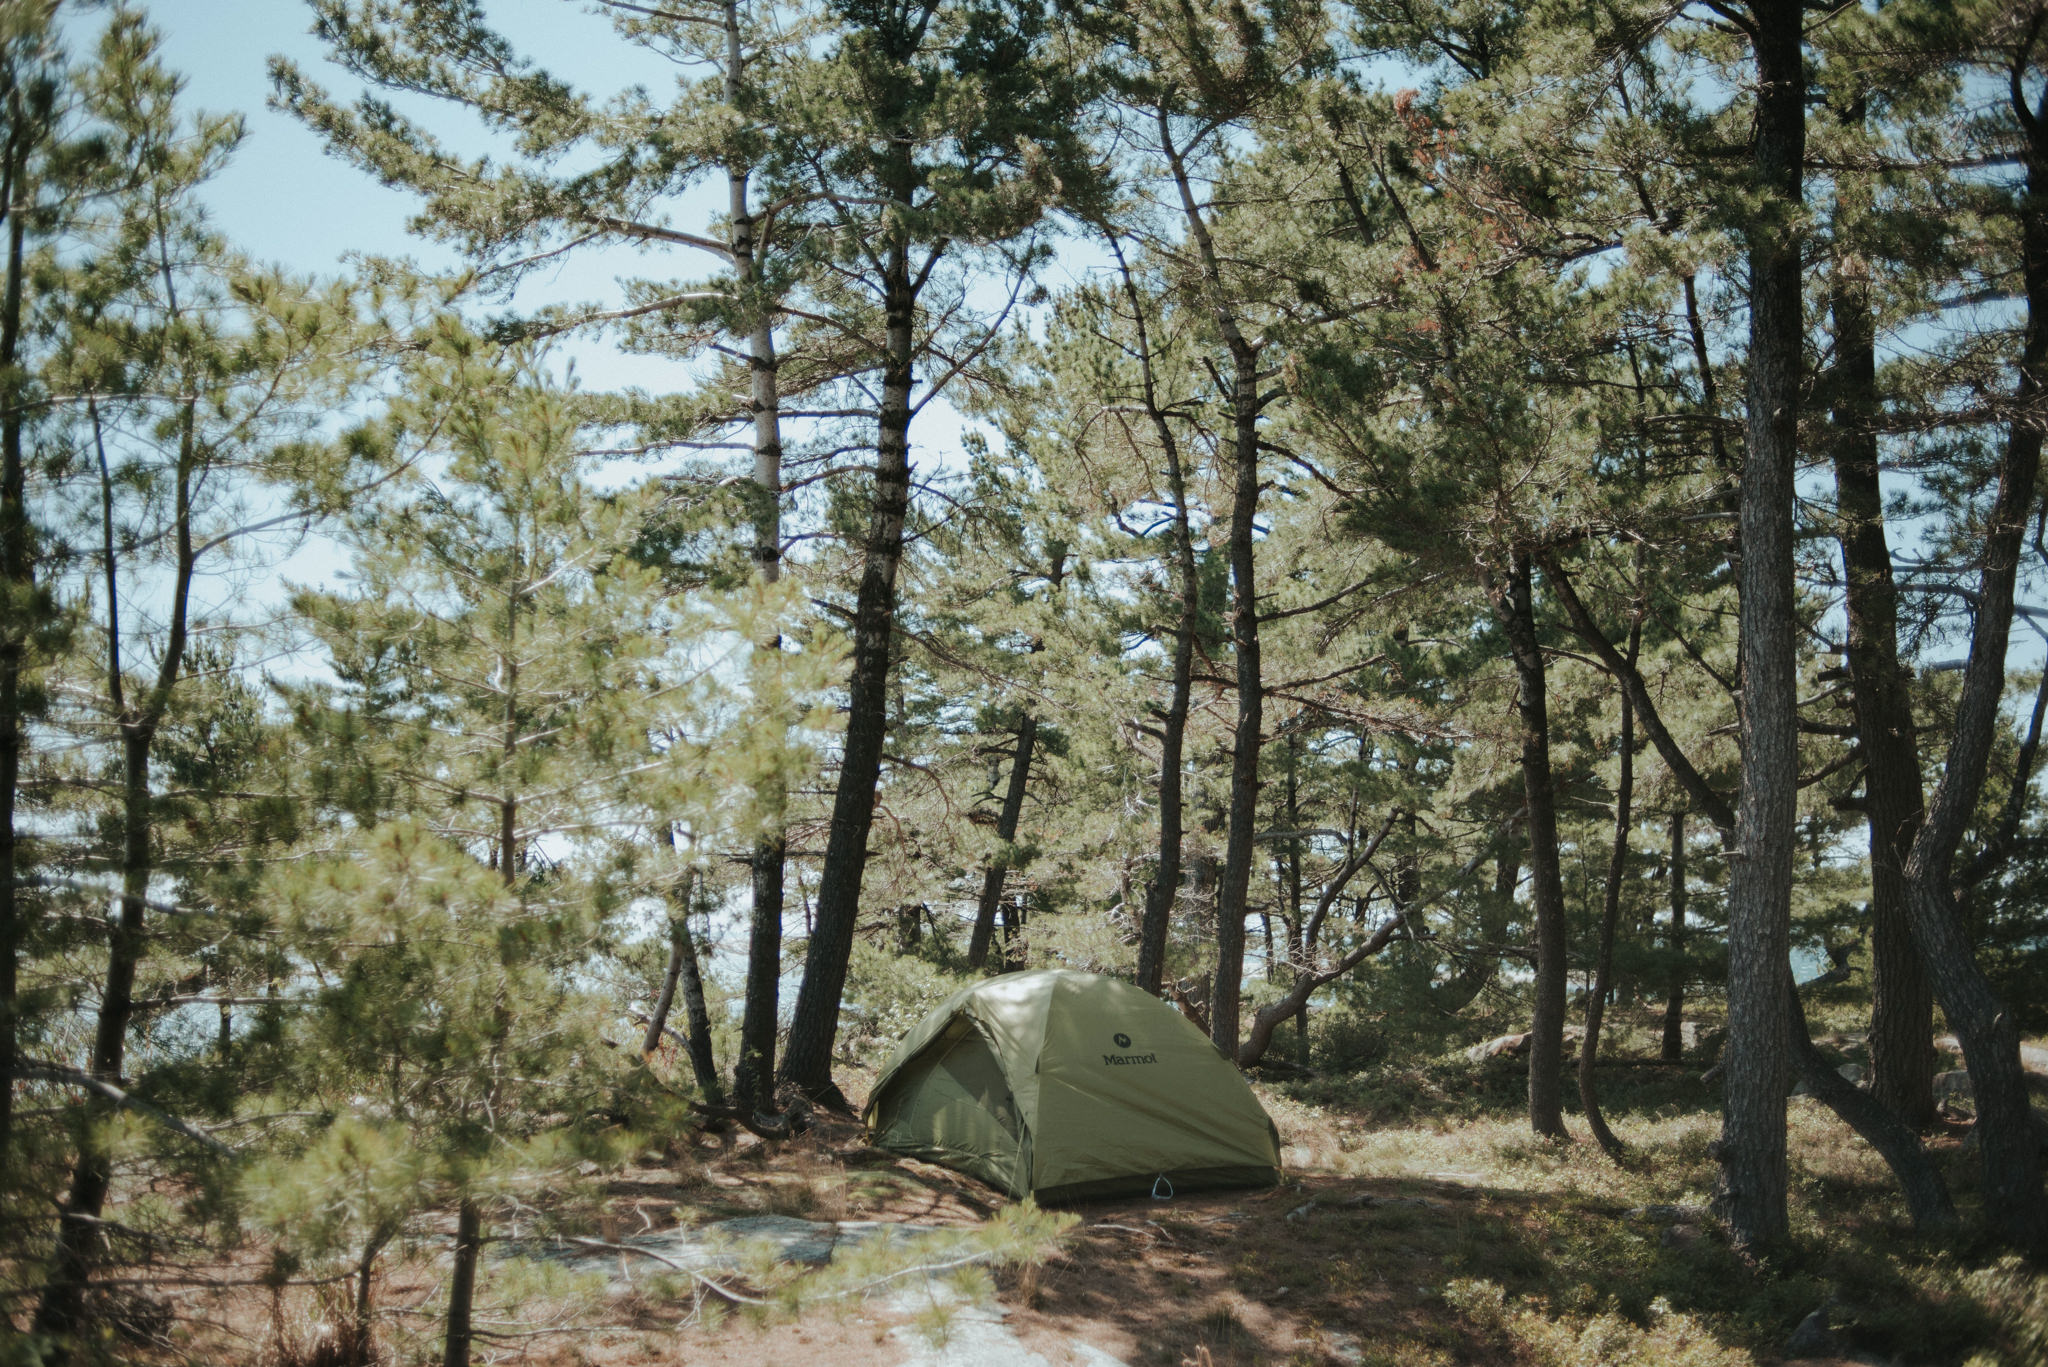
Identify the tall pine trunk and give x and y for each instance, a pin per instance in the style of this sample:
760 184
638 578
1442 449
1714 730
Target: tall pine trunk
1895 1141
1006 831
1515 605
17 611
457 1341
807 1063
1893 1138
1902 1010
754 1068
1234 890
1165 883
1290 894
1752 1185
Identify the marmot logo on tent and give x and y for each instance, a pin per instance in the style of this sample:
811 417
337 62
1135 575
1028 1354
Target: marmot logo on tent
1123 1041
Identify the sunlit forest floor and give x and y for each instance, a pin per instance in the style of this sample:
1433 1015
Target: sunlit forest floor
1420 1223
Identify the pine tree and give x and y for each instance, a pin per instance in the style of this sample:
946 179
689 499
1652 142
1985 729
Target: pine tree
527 209
2016 1205
503 677
35 98
445 1041
189 366
908 197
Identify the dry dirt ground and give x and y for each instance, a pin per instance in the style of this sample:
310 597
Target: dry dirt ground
1322 1270
1357 1259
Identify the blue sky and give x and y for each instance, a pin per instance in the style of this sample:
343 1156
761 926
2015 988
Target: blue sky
285 200
282 198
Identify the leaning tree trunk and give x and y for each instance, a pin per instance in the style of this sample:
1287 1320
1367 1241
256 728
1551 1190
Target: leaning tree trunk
1309 978
696 1015
1006 832
2009 1149
1920 1181
807 1062
1515 606
1610 917
683 971
1752 1185
1901 1017
1895 1141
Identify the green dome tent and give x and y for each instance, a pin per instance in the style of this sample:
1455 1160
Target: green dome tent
1069 1085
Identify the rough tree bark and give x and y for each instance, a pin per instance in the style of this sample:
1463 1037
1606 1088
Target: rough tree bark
807 1062
754 1068
1751 1189
1234 889
1006 831
2008 1148
18 583
1165 883
1902 1010
1514 605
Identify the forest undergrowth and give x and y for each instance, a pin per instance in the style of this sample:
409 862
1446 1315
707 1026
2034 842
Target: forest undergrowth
1419 1223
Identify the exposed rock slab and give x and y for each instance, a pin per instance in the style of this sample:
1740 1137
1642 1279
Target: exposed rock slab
719 1244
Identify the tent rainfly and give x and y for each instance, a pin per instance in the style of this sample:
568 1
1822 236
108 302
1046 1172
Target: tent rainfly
1070 1086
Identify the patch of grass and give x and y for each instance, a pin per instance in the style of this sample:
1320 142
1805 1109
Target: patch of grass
320 1332
1575 1277
934 1321
1221 1331
1667 1339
